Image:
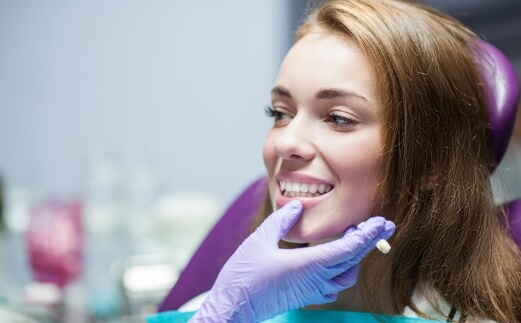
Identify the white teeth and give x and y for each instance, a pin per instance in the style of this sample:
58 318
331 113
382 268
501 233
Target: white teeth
282 185
296 189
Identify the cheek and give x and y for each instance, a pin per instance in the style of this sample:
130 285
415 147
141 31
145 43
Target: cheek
359 169
359 180
358 192
360 158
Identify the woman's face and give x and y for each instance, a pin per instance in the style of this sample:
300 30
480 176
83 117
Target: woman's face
325 147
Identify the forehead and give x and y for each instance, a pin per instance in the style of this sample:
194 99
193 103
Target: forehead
326 60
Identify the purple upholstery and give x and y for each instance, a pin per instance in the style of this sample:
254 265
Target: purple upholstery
503 100
502 94
224 238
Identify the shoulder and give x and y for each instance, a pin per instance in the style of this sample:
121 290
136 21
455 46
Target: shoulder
437 308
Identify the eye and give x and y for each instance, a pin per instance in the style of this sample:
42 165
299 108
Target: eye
341 121
281 118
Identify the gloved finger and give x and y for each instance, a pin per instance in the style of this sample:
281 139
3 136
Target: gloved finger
351 243
354 242
365 251
389 226
321 299
337 269
356 259
347 278
329 298
337 283
385 234
280 221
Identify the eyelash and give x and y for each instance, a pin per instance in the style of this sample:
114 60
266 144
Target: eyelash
270 112
346 122
335 119
281 118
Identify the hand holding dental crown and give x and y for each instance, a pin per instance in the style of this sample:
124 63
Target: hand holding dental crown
278 280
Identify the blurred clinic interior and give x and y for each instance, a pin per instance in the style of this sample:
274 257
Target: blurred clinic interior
126 129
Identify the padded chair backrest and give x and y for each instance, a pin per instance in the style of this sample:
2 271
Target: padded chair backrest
502 90
224 238
199 275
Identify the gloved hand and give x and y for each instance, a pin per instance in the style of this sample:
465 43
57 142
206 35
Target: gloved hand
260 280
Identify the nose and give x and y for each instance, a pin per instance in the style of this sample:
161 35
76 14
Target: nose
295 141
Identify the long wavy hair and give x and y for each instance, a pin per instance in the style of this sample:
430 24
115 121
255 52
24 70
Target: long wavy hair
437 161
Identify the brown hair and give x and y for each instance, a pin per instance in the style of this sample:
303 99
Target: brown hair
437 160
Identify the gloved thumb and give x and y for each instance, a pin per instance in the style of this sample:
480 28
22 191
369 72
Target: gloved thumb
280 222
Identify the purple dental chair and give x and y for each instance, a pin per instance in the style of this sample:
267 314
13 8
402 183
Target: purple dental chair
226 236
222 241
503 99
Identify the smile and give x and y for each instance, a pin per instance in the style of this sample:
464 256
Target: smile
297 189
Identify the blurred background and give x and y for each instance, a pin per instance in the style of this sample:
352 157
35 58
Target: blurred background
129 126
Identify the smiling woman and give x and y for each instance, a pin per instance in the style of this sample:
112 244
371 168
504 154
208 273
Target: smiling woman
326 133
380 120
387 110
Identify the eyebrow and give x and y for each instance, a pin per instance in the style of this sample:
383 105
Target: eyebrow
337 93
282 91
321 94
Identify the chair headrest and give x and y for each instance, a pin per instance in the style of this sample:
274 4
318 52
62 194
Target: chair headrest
502 91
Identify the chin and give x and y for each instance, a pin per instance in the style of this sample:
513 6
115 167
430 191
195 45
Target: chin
293 239
298 234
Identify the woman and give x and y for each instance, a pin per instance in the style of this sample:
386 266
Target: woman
379 110
435 162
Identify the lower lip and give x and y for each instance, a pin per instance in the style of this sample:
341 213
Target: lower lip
307 202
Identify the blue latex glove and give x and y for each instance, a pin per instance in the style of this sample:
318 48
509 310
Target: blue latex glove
260 280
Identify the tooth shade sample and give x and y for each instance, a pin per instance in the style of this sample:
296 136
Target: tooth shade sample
383 246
